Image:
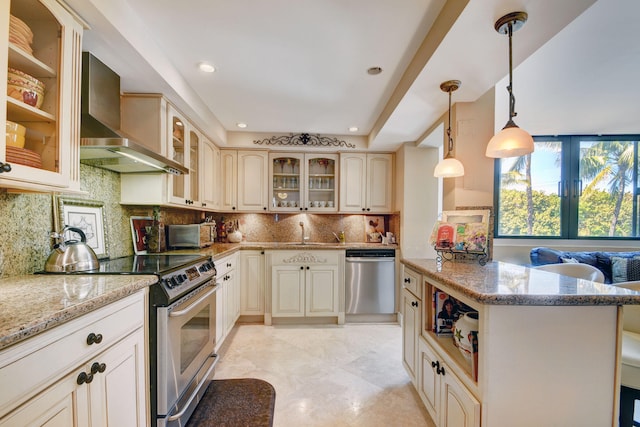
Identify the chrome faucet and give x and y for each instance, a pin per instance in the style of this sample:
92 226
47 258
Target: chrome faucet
302 226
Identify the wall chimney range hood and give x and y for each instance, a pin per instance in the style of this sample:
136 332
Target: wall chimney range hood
102 144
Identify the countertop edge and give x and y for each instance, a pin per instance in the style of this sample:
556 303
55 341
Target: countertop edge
48 321
601 294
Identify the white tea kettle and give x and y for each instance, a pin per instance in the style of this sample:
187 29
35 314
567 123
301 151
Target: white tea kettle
71 255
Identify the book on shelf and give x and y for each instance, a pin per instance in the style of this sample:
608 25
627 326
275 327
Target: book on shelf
447 310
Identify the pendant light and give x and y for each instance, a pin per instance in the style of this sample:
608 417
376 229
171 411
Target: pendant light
511 141
449 167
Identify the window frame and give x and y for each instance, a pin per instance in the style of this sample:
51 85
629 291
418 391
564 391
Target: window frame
569 171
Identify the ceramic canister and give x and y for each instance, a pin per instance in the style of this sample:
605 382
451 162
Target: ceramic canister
462 328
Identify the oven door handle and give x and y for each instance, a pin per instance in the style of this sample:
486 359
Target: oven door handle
194 304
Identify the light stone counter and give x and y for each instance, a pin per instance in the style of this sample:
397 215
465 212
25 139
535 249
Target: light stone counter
499 283
32 304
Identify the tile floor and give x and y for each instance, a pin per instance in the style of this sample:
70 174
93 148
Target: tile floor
329 375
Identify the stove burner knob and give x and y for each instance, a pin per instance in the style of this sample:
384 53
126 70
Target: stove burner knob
172 282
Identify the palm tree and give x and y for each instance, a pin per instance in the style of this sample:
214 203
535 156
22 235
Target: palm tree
515 173
612 160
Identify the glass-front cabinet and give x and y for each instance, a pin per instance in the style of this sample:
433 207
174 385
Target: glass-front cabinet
41 104
184 149
303 182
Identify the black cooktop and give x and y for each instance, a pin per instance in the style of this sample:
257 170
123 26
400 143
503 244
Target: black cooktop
143 264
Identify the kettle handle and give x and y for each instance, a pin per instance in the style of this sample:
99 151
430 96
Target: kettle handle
83 237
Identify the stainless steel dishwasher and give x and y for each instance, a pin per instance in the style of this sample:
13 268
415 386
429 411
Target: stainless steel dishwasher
370 276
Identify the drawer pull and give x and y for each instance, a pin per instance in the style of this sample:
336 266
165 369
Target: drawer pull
98 367
414 303
407 280
434 364
94 339
83 377
440 370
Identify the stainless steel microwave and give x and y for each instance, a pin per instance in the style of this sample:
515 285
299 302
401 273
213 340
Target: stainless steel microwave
191 235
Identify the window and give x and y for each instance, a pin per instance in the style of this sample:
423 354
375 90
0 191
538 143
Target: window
570 187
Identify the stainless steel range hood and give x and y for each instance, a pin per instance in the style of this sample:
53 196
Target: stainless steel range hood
102 144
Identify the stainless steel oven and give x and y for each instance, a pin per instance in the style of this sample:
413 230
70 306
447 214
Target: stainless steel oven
185 359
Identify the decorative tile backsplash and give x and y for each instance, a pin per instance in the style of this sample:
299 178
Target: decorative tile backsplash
27 219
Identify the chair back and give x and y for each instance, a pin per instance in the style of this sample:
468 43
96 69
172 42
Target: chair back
578 270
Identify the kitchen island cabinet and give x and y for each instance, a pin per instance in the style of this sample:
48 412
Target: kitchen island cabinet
90 371
227 297
548 347
52 129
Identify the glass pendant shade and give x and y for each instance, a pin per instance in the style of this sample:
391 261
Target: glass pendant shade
448 168
511 141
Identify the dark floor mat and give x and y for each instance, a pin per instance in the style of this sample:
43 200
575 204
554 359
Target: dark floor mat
235 403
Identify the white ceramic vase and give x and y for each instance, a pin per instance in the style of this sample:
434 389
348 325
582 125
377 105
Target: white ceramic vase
462 328
234 237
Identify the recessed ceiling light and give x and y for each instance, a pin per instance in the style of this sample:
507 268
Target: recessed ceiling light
241 125
353 129
374 70
207 68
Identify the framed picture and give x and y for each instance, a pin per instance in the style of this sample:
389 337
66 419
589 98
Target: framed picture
88 216
374 228
470 229
139 233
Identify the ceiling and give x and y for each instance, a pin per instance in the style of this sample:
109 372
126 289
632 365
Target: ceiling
301 66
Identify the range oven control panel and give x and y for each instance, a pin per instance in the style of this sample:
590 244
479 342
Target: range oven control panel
188 277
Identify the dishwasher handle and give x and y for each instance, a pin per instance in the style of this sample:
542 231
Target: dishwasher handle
369 259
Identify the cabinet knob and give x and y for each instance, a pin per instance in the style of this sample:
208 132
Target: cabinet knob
307 267
414 303
5 167
94 339
363 209
440 370
434 364
301 268
264 208
368 209
83 378
233 208
407 280
98 367
301 208
306 209
228 264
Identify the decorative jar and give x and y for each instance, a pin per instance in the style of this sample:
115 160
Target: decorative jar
462 332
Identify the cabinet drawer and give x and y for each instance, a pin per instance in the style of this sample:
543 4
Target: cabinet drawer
311 257
411 280
37 362
226 264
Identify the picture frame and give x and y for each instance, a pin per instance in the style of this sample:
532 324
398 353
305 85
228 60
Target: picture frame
139 233
374 228
471 229
87 215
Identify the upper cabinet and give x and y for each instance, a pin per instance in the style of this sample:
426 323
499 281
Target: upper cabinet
366 182
210 173
159 126
42 97
244 180
303 182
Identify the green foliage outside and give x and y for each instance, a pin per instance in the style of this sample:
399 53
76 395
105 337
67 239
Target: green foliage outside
596 210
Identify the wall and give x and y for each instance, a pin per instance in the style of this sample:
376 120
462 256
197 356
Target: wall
27 219
416 199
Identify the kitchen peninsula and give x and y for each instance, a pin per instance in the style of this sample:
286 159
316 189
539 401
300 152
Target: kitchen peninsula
548 349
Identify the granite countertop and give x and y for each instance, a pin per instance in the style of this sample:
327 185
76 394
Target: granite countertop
32 304
220 250
499 283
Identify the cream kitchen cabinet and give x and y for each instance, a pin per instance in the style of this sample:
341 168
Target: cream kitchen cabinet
252 283
303 182
444 395
52 135
179 141
227 297
61 377
305 284
244 180
411 320
210 173
366 182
